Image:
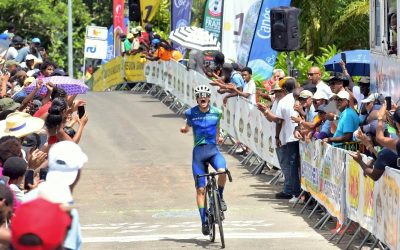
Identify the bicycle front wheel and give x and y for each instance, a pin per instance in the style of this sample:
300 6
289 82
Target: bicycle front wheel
210 214
218 217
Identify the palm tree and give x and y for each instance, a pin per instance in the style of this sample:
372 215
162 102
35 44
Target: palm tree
344 23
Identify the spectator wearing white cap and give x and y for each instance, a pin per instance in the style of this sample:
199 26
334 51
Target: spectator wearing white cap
307 113
33 49
30 63
66 160
128 43
320 101
348 121
135 42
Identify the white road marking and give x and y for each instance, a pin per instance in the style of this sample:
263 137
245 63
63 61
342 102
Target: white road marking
99 228
158 237
135 231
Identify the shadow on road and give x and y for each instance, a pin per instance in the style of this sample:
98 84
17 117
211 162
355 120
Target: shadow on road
190 243
166 116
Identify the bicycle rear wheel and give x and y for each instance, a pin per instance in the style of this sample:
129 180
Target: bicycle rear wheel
210 214
218 217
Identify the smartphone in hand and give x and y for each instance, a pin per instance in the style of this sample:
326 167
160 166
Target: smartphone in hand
29 175
388 103
43 173
81 111
343 57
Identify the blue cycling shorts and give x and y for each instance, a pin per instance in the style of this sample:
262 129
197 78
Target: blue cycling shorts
202 155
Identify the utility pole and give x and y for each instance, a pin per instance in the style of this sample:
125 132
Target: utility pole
70 51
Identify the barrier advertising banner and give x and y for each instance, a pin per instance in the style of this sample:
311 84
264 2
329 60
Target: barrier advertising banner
331 176
212 19
180 17
374 205
134 69
386 201
360 194
261 56
234 16
322 174
117 71
149 8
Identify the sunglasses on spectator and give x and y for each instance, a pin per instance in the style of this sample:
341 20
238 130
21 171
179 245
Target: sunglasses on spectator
311 74
340 100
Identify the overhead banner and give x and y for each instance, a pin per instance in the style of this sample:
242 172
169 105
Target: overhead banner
212 19
234 15
261 56
148 8
322 175
180 17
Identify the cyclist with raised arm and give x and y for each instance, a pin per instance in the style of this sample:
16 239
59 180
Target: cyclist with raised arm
204 120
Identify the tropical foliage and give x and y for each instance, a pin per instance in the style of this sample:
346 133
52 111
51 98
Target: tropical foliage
302 62
48 19
343 23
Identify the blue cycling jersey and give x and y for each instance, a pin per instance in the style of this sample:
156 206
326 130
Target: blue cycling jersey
204 124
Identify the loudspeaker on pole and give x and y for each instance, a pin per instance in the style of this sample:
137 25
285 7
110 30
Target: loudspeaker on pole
285 28
134 10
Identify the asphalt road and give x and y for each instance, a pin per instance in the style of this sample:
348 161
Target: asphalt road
137 191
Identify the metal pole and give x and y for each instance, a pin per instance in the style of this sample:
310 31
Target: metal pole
70 55
289 63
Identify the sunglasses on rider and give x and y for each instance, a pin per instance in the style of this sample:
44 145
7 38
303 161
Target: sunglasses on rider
202 95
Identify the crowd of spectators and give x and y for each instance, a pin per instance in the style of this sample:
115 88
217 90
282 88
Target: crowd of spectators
149 44
336 111
40 159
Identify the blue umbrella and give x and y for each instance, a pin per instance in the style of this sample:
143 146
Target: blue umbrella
357 62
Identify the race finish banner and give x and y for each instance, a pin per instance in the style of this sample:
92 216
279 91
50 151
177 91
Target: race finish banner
180 17
322 175
234 16
213 17
262 57
118 70
148 8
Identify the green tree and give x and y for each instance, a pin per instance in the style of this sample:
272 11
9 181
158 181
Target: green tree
344 23
48 21
162 20
100 12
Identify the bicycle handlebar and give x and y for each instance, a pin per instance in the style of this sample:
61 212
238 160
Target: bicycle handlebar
213 174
